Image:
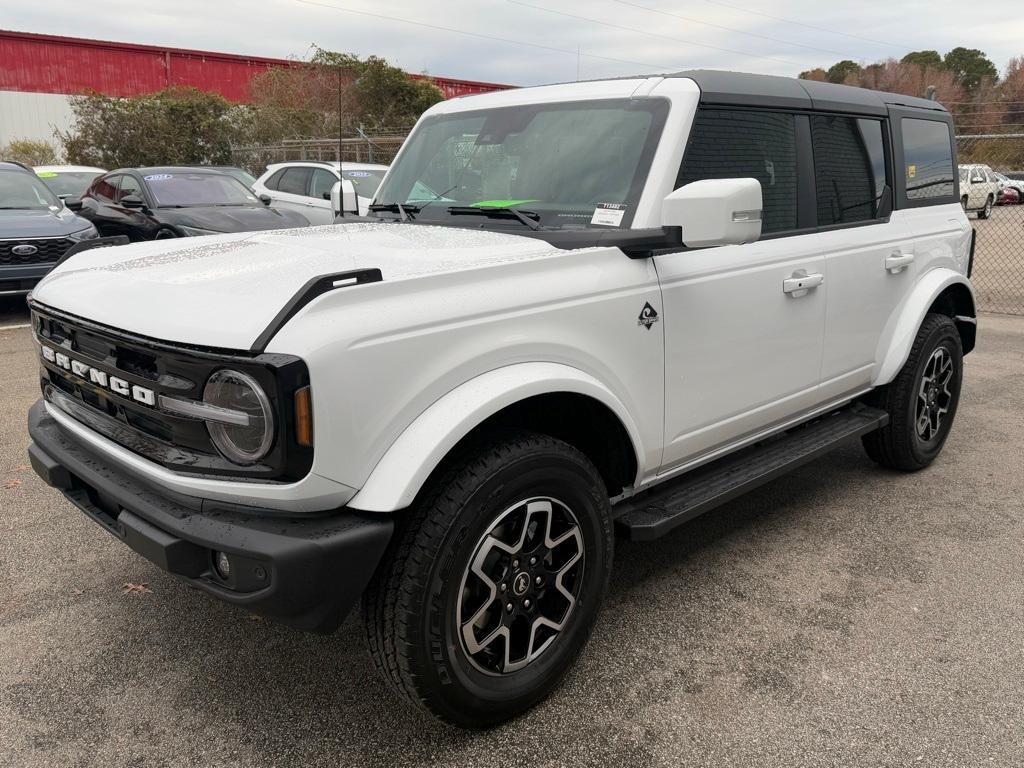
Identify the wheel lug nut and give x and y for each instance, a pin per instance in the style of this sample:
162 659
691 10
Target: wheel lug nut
526 603
503 587
515 563
508 607
538 581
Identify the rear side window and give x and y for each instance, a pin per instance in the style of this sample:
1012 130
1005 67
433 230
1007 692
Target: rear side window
732 144
849 168
274 181
927 159
295 181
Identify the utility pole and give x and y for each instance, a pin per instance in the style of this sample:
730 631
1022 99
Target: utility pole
341 176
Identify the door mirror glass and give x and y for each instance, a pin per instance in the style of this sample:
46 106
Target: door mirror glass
343 198
715 212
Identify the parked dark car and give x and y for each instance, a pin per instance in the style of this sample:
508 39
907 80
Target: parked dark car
35 228
239 173
153 203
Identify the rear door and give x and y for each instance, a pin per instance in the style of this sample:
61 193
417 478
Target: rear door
869 251
290 189
742 345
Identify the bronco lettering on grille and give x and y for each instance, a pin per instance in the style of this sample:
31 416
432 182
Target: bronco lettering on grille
100 378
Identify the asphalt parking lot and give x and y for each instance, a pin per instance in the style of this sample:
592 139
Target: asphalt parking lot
843 615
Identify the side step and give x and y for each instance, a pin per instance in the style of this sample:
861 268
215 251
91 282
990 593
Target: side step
654 513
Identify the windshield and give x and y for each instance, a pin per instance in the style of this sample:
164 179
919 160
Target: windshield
243 176
22 190
571 165
196 189
68 183
365 181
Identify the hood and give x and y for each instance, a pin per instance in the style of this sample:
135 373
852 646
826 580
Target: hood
243 218
223 291
24 224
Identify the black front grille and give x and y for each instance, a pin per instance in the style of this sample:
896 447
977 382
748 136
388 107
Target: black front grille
169 439
46 251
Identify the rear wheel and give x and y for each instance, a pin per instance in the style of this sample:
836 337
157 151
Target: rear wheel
491 587
921 400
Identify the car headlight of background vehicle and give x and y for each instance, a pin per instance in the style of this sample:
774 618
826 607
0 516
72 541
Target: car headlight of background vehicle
89 233
239 392
196 232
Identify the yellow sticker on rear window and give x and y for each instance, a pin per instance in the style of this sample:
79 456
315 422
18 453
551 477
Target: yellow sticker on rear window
911 171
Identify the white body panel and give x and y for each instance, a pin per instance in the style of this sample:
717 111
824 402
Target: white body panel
318 210
468 321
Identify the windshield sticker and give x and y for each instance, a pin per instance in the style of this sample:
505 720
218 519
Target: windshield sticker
501 203
608 214
358 174
158 177
46 174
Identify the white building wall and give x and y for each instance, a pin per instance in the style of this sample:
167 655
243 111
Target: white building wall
33 116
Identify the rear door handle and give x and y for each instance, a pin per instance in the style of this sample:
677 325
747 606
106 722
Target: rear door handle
800 283
896 262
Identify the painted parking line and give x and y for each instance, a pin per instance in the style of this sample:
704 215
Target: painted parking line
12 327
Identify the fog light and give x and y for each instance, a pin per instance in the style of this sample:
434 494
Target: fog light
222 565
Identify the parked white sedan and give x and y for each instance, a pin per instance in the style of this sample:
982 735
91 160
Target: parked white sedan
979 189
68 180
305 186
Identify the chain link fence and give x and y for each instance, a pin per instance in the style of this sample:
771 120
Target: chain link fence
998 275
379 148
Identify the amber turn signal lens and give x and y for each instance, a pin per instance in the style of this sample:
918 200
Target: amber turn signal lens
304 417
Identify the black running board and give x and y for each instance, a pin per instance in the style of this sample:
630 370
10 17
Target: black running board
654 513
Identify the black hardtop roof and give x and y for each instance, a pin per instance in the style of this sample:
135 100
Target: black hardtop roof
740 88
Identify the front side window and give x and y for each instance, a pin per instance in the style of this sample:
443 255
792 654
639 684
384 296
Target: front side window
322 183
572 165
849 168
128 186
105 188
735 144
927 159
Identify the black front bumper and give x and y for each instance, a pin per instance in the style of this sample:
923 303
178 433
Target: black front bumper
303 571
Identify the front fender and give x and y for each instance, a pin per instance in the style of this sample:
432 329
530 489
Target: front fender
901 330
401 472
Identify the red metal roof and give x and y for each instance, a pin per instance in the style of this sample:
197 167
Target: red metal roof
71 65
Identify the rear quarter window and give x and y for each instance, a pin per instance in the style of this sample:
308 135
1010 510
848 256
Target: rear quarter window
927 160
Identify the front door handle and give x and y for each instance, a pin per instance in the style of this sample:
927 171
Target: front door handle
800 283
896 262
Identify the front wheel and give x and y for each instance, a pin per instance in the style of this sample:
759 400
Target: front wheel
985 212
921 400
493 582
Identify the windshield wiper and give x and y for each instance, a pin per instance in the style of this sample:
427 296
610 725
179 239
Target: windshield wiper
496 212
401 210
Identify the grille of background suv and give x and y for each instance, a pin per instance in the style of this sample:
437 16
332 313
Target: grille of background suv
47 250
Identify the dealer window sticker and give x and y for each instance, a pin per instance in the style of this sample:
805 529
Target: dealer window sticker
159 177
608 214
357 174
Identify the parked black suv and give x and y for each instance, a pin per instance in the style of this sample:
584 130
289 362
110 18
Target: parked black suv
35 228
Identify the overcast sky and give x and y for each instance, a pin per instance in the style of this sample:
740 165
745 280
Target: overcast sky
524 42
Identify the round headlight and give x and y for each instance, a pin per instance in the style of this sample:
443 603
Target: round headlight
240 392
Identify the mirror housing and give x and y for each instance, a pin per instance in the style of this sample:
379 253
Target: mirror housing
347 202
73 204
715 212
132 201
266 199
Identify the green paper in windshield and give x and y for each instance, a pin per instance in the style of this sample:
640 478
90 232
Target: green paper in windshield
501 203
46 174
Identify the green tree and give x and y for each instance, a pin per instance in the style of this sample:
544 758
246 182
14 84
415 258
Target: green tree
970 66
841 70
29 152
176 126
925 59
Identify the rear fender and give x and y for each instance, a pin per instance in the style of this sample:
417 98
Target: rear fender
901 330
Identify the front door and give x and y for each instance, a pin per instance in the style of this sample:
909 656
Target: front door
744 324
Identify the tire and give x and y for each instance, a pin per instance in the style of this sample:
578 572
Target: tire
906 443
443 564
963 203
985 212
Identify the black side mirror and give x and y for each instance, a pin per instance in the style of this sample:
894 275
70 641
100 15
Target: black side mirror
266 199
326 195
132 201
73 203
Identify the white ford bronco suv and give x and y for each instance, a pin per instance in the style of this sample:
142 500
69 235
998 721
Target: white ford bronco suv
577 308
